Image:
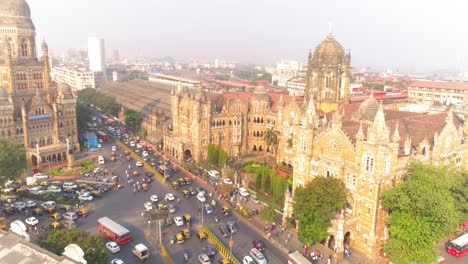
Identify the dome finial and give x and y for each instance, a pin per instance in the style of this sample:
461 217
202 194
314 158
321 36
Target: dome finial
330 27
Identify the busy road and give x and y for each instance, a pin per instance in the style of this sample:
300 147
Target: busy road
127 208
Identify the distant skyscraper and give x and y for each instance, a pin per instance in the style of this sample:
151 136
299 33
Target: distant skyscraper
96 55
216 63
116 55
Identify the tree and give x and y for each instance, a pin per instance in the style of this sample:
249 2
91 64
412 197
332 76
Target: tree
422 211
83 117
271 139
460 194
268 214
315 205
132 119
12 160
93 246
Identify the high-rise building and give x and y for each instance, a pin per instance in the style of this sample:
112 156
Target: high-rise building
96 55
116 55
32 112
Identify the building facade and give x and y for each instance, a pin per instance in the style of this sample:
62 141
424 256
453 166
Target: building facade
33 113
448 93
97 55
77 78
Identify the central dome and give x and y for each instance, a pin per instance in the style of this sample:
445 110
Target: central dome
14 8
330 46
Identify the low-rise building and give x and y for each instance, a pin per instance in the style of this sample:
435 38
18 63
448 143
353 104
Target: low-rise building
77 78
442 92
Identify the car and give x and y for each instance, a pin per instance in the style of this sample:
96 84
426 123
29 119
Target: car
200 190
209 249
40 176
226 211
99 145
70 216
178 221
148 174
148 206
172 208
100 140
169 197
147 180
139 145
228 181
54 189
145 154
48 204
114 148
224 231
154 198
117 261
201 197
132 144
204 259
30 204
112 247
101 160
231 225
243 192
248 260
19 206
193 192
213 174
139 164
258 256
32 221
258 244
208 209
255 199
70 185
85 197
70 195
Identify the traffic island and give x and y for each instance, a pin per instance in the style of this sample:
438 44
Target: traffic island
220 246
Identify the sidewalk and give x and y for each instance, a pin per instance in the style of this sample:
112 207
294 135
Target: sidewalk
277 238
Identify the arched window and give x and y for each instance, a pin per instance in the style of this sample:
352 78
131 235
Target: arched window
368 161
387 164
24 48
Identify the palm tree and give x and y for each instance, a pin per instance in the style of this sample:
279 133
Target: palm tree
271 139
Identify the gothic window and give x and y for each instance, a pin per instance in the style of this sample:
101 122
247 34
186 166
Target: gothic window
387 164
303 143
301 164
24 48
368 162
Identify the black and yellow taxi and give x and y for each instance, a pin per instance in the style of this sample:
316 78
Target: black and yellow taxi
175 185
202 236
56 216
186 193
187 180
55 225
161 206
226 211
83 212
181 181
224 261
37 211
187 233
135 173
44 183
187 219
56 183
65 208
50 210
179 237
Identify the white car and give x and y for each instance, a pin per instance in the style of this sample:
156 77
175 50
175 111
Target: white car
19 205
145 154
40 176
169 197
30 204
70 216
201 197
101 160
100 140
228 181
48 204
243 192
139 164
148 206
99 145
154 198
85 197
132 144
117 261
114 148
54 189
32 221
178 221
112 247
204 259
139 145
248 260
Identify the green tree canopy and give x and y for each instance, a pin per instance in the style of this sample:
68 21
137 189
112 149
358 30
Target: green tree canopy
422 211
104 102
460 193
271 137
83 117
268 213
12 160
132 119
93 246
315 206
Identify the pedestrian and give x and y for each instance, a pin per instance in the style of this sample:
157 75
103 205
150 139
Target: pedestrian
269 235
282 230
329 260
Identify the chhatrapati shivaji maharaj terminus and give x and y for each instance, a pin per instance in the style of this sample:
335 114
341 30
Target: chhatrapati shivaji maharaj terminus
33 112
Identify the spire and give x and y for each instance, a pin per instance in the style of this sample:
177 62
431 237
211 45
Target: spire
38 94
179 87
360 133
311 107
330 28
449 118
396 134
379 119
379 132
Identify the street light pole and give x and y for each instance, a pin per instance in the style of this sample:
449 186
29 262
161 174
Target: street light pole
160 236
202 212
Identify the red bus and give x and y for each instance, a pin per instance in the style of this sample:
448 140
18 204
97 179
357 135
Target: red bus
102 135
114 231
459 246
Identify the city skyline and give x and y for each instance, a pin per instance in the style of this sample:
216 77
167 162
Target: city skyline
415 36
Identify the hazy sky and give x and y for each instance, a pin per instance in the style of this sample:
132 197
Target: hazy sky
400 34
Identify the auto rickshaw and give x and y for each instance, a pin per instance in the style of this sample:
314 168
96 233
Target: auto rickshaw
179 237
175 185
202 236
186 193
186 232
135 173
82 212
55 225
44 183
37 211
144 186
127 153
56 216
181 181
188 219
4 223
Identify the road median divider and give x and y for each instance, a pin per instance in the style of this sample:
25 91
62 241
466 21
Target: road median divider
165 255
220 246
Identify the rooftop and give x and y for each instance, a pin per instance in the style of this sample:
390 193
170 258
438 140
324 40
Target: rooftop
440 85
